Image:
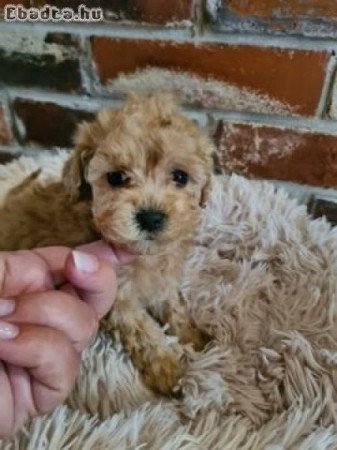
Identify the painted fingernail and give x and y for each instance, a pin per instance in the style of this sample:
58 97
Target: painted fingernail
8 330
7 306
85 262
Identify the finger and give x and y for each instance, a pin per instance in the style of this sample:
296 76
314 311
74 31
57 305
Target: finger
30 271
6 404
40 269
55 258
117 256
58 310
20 384
94 279
51 361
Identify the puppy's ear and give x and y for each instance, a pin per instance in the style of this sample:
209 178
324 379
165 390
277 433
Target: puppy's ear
86 140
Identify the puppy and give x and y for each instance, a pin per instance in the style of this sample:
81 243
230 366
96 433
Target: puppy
138 178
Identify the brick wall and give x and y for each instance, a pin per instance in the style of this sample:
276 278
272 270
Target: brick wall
263 72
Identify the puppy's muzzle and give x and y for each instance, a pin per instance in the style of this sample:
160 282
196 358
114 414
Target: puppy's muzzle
150 220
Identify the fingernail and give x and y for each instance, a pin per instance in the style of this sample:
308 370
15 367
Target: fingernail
85 262
8 330
7 306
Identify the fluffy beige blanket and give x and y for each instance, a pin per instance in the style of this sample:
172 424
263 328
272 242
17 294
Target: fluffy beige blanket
262 281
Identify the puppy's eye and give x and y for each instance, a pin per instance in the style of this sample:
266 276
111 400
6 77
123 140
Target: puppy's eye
180 177
117 178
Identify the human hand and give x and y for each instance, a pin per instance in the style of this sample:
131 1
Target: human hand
43 330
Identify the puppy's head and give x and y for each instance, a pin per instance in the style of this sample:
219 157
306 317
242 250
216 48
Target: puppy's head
148 168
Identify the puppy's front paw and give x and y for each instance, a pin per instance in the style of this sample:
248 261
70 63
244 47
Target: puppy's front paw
163 371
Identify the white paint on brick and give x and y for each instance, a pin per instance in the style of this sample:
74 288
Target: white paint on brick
178 24
32 43
258 151
193 89
280 147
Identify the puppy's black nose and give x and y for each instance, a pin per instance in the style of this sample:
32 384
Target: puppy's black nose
150 220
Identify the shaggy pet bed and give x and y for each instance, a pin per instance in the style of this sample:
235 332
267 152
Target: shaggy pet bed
261 279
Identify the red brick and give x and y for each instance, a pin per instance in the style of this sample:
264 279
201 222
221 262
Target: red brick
278 153
279 8
294 77
48 124
159 12
5 131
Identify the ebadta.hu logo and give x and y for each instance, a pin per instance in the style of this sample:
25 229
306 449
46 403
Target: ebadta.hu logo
49 13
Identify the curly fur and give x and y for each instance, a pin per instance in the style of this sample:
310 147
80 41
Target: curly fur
260 279
147 138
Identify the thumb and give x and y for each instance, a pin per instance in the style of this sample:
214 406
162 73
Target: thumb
91 270
115 255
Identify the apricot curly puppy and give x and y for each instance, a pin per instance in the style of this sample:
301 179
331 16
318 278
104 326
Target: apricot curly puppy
138 177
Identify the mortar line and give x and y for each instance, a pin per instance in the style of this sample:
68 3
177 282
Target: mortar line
260 40
84 65
178 34
10 115
199 22
125 30
12 148
62 99
30 150
297 123
311 124
323 104
302 190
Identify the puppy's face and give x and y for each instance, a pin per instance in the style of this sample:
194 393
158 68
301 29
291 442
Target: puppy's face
149 175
